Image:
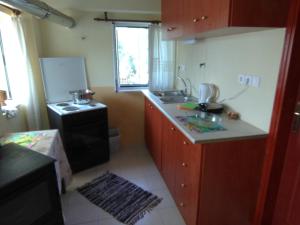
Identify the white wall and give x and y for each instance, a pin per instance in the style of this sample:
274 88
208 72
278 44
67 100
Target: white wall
256 53
13 125
91 39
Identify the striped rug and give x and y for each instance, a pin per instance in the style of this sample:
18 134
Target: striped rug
124 200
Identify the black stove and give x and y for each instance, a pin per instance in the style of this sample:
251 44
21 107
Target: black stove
70 108
62 104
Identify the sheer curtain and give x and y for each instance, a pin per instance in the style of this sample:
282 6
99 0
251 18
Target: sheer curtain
161 60
19 65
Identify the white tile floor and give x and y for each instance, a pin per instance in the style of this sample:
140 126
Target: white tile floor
134 164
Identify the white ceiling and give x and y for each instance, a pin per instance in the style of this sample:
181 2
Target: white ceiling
132 6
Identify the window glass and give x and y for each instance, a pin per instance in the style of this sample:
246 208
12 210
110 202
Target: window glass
132 56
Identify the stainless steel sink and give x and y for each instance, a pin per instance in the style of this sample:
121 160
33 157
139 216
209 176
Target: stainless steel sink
168 93
177 99
174 96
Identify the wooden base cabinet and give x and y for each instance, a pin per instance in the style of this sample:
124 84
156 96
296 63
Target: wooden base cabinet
213 183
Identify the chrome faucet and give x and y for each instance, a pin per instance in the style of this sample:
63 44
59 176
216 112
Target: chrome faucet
185 92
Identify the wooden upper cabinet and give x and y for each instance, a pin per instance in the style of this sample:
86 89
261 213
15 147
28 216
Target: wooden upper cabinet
259 13
204 15
196 17
172 17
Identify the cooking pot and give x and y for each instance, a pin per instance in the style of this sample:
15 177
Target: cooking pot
82 96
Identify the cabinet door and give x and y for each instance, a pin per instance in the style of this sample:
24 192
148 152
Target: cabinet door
215 14
207 15
156 135
147 123
153 131
172 16
187 179
230 178
169 154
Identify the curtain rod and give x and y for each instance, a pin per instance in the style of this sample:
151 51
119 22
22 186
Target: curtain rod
5 8
106 19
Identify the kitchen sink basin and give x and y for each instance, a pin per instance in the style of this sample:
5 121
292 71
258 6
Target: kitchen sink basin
177 99
168 93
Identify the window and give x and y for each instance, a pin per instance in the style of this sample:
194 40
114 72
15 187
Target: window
131 55
4 83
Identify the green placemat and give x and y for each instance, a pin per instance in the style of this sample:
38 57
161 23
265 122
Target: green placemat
200 125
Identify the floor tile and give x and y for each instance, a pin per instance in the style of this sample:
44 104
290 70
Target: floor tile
110 222
167 200
81 214
171 216
152 218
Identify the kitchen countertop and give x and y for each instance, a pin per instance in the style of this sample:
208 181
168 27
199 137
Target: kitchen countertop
235 129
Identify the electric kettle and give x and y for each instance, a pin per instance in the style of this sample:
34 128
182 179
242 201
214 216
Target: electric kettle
208 93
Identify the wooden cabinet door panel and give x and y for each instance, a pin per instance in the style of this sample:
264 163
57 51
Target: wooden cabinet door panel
248 13
204 15
230 179
172 16
214 14
169 154
156 135
147 124
153 131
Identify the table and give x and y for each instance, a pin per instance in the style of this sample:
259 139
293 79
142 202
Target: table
47 142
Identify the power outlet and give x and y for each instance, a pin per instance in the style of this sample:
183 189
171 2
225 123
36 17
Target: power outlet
242 79
249 80
256 81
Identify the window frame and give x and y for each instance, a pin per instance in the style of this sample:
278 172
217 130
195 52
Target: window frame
118 86
6 76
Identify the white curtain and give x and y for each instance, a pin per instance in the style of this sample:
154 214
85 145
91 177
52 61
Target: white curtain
19 66
161 60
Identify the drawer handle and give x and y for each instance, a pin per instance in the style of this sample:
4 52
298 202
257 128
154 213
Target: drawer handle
182 185
172 128
181 204
204 17
151 107
184 164
185 142
171 28
195 20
